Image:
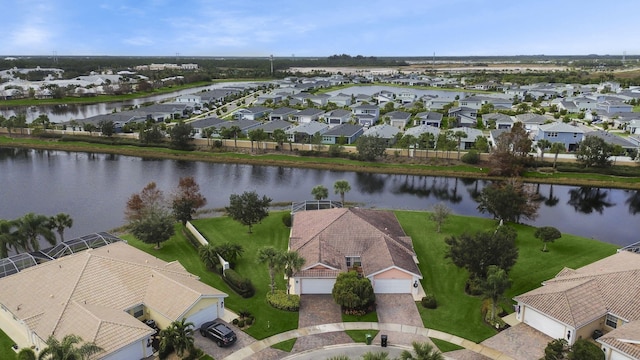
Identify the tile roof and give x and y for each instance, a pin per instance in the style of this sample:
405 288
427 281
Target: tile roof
576 297
625 338
87 294
328 236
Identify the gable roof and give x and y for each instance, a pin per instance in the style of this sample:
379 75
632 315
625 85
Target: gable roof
87 294
625 339
328 236
610 285
560 127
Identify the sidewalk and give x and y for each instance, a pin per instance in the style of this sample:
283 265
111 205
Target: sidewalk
260 345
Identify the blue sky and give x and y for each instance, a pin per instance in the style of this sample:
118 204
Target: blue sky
319 27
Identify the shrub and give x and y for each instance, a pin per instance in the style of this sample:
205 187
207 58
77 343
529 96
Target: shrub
283 301
241 323
429 301
239 284
234 321
248 321
286 219
471 157
473 286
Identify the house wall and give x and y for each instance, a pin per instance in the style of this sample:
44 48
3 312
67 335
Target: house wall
586 331
161 320
393 274
567 139
17 330
612 354
137 350
545 324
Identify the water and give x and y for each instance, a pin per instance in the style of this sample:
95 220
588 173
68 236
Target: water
94 188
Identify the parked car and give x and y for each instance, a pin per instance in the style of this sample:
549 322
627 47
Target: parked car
218 332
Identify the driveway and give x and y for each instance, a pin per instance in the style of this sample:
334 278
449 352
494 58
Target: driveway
521 342
398 309
210 347
318 310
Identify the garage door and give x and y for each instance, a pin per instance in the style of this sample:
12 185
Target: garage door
543 324
392 286
317 286
204 315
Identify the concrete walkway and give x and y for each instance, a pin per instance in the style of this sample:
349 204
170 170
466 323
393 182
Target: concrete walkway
260 345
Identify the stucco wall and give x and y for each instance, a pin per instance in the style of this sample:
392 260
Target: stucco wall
393 274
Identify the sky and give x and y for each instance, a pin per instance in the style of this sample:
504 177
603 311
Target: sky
304 28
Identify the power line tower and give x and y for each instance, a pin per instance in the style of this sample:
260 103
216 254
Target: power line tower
55 57
271 61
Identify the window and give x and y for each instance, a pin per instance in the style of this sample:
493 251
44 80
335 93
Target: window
137 311
611 321
353 261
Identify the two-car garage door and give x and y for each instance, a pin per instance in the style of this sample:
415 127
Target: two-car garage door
544 324
316 286
392 286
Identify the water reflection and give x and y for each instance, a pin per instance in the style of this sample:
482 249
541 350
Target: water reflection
587 199
369 183
633 201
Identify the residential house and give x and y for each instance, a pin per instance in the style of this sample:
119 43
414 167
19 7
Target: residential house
569 135
251 113
532 121
602 297
201 124
366 115
340 99
383 131
569 106
191 99
104 295
271 126
337 117
162 112
437 103
614 106
430 118
343 134
499 121
216 95
633 127
406 97
399 119
307 115
495 134
614 140
465 117
244 125
304 132
417 131
469 140
268 99
338 240
283 113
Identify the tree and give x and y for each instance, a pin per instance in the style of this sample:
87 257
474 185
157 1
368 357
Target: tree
555 149
150 197
152 134
459 135
439 214
257 135
594 152
8 237
371 147
556 349
70 348
274 259
341 187
381 355
279 136
229 251
106 127
409 141
248 208
583 349
60 222
479 251
494 286
292 263
32 227
90 128
421 351
209 255
511 151
352 291
543 145
187 199
181 135
26 354
155 226
178 336
547 234
320 192
509 200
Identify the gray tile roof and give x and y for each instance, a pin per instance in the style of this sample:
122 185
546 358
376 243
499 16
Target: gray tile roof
344 130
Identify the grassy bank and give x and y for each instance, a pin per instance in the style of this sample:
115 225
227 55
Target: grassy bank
438 168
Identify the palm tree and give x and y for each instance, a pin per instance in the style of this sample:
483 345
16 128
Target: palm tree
319 192
31 227
208 255
494 286
273 258
292 262
556 148
235 132
409 141
60 222
179 336
459 135
279 136
8 237
68 349
341 187
543 145
370 355
421 351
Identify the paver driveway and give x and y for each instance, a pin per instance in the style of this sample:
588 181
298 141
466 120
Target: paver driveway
210 347
318 310
398 309
521 342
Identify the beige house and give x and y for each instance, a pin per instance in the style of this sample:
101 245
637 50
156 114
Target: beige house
600 298
340 239
103 295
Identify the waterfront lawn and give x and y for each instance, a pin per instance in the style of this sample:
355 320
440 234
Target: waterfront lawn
458 313
271 232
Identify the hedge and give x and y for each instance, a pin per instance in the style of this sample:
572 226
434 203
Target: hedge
239 284
283 301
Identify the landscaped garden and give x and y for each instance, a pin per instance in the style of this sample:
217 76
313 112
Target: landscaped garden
456 313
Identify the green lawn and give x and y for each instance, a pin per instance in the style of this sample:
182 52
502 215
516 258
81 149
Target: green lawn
6 352
458 313
286 345
271 232
360 336
445 346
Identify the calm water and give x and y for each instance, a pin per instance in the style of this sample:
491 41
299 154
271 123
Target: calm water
94 188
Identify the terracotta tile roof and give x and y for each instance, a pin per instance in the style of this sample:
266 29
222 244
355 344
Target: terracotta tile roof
611 285
625 338
328 236
87 294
